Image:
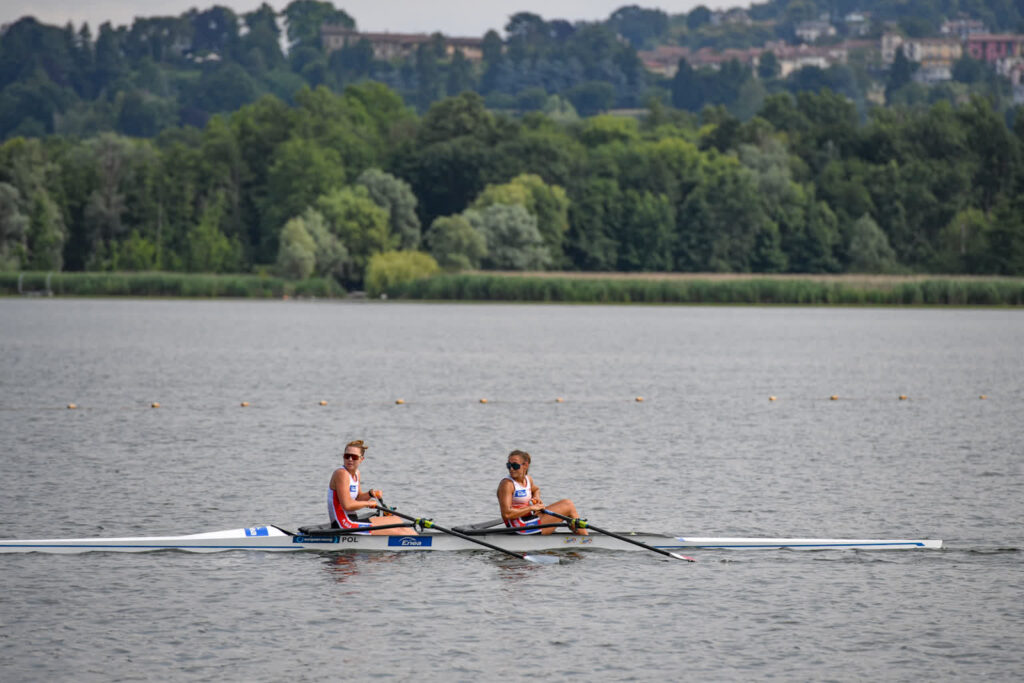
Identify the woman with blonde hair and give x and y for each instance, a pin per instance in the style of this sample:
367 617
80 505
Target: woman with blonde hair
519 499
345 497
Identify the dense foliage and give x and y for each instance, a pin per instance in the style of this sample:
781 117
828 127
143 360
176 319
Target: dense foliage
188 144
319 188
168 71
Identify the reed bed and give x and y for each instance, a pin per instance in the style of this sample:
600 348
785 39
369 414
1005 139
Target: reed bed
950 291
188 285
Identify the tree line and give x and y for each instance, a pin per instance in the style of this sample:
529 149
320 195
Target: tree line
323 186
169 71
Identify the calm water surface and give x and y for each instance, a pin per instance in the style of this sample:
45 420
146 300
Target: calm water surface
705 453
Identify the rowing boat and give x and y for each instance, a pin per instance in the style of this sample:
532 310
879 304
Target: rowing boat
273 538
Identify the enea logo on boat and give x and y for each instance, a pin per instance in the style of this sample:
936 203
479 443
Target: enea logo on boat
409 541
257 531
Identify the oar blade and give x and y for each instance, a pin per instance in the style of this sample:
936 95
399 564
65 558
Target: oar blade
682 557
542 559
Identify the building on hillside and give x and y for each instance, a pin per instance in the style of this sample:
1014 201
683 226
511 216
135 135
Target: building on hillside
962 28
934 55
993 47
811 31
389 46
664 60
858 23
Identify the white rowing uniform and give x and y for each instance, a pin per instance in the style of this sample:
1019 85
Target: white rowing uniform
339 516
521 496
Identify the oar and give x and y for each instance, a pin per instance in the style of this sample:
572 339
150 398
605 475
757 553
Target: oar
583 524
429 524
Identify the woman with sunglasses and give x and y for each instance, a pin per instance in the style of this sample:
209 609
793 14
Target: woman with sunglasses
344 497
520 501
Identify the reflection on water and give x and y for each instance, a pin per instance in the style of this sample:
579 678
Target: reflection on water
344 566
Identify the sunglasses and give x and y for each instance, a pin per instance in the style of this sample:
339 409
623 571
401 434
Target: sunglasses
352 456
513 465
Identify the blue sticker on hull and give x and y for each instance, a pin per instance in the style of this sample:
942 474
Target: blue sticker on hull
257 531
409 541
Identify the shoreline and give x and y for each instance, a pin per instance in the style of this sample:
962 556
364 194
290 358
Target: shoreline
798 289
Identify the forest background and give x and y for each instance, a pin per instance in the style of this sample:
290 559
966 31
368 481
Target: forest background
197 144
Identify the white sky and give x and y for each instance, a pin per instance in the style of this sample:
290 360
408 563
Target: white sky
471 18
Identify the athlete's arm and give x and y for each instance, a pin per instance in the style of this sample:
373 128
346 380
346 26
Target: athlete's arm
340 483
505 490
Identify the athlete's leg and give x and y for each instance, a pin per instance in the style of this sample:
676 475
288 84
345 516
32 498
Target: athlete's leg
563 507
387 520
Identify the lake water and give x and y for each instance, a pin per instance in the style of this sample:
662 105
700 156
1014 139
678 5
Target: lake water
705 453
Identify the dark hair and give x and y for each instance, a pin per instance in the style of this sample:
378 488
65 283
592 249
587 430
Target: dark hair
522 454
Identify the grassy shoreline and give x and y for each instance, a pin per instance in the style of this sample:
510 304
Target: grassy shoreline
159 284
555 287
673 288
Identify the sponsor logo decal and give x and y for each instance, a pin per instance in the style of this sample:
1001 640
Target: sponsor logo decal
409 541
257 531
577 540
315 539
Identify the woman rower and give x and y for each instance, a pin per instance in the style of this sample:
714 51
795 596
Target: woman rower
344 497
520 500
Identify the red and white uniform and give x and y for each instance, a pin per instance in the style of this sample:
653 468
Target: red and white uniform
521 497
338 514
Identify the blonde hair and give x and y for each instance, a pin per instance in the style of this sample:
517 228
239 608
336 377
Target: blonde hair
522 454
356 444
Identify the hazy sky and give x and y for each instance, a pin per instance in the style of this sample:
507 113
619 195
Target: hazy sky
451 17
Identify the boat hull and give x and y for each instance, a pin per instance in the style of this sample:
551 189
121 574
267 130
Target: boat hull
273 539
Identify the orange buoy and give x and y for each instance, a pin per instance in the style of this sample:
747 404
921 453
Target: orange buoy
483 400
154 404
983 397
559 399
833 397
245 404
323 403
639 399
903 397
399 401
771 398
71 406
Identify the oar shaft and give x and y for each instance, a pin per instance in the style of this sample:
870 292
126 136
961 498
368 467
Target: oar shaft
583 524
430 525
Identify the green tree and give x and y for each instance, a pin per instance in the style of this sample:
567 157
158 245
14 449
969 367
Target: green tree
868 249
720 219
597 207
964 244
296 252
455 244
135 253
46 233
900 74
13 228
387 269
305 17
592 97
362 226
394 195
645 234
548 204
513 240
209 250
300 171
768 66
332 256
